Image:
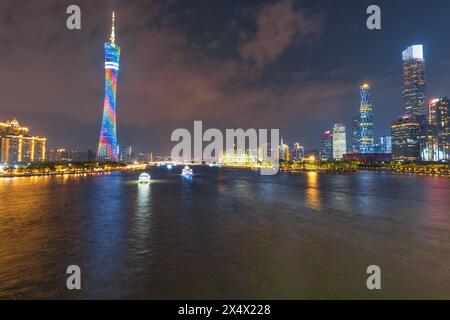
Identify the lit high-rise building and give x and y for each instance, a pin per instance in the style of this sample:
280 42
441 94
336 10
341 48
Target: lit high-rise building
326 149
438 134
414 99
386 144
284 151
366 137
107 146
405 138
16 146
339 141
355 135
299 152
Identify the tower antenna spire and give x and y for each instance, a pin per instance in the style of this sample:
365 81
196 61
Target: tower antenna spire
113 30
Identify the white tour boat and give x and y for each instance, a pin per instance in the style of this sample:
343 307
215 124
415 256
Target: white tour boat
144 178
187 171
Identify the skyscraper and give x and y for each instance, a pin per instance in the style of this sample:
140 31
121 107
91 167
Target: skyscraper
386 144
326 150
299 152
339 141
438 134
405 138
414 99
284 151
366 137
107 146
355 135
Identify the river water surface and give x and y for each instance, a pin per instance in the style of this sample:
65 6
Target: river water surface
225 234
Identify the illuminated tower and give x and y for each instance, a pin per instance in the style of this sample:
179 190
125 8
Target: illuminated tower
107 146
365 120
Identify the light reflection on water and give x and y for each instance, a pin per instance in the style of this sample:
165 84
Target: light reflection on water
225 233
312 190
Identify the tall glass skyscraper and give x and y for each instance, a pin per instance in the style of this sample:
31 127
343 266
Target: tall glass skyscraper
355 135
326 149
437 145
366 137
107 146
414 99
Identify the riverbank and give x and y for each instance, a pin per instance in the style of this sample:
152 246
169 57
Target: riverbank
59 169
431 169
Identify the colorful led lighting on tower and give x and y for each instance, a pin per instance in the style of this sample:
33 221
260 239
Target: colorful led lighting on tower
365 120
107 146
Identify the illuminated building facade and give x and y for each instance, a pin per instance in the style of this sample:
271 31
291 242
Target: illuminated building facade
355 135
339 141
238 158
414 99
385 144
69 155
299 152
326 149
16 146
405 138
438 134
284 151
107 146
366 137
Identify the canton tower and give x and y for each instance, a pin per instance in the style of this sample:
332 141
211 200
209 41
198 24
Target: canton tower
107 146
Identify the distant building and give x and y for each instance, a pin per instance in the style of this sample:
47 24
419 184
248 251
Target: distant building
366 136
326 149
437 140
339 141
16 146
90 156
405 138
386 144
68 155
143 158
355 135
299 152
126 154
284 151
237 158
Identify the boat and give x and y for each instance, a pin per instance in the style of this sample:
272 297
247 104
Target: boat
187 171
144 178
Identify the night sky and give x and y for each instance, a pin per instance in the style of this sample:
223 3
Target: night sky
293 65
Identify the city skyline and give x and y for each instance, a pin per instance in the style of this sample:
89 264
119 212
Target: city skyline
148 116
